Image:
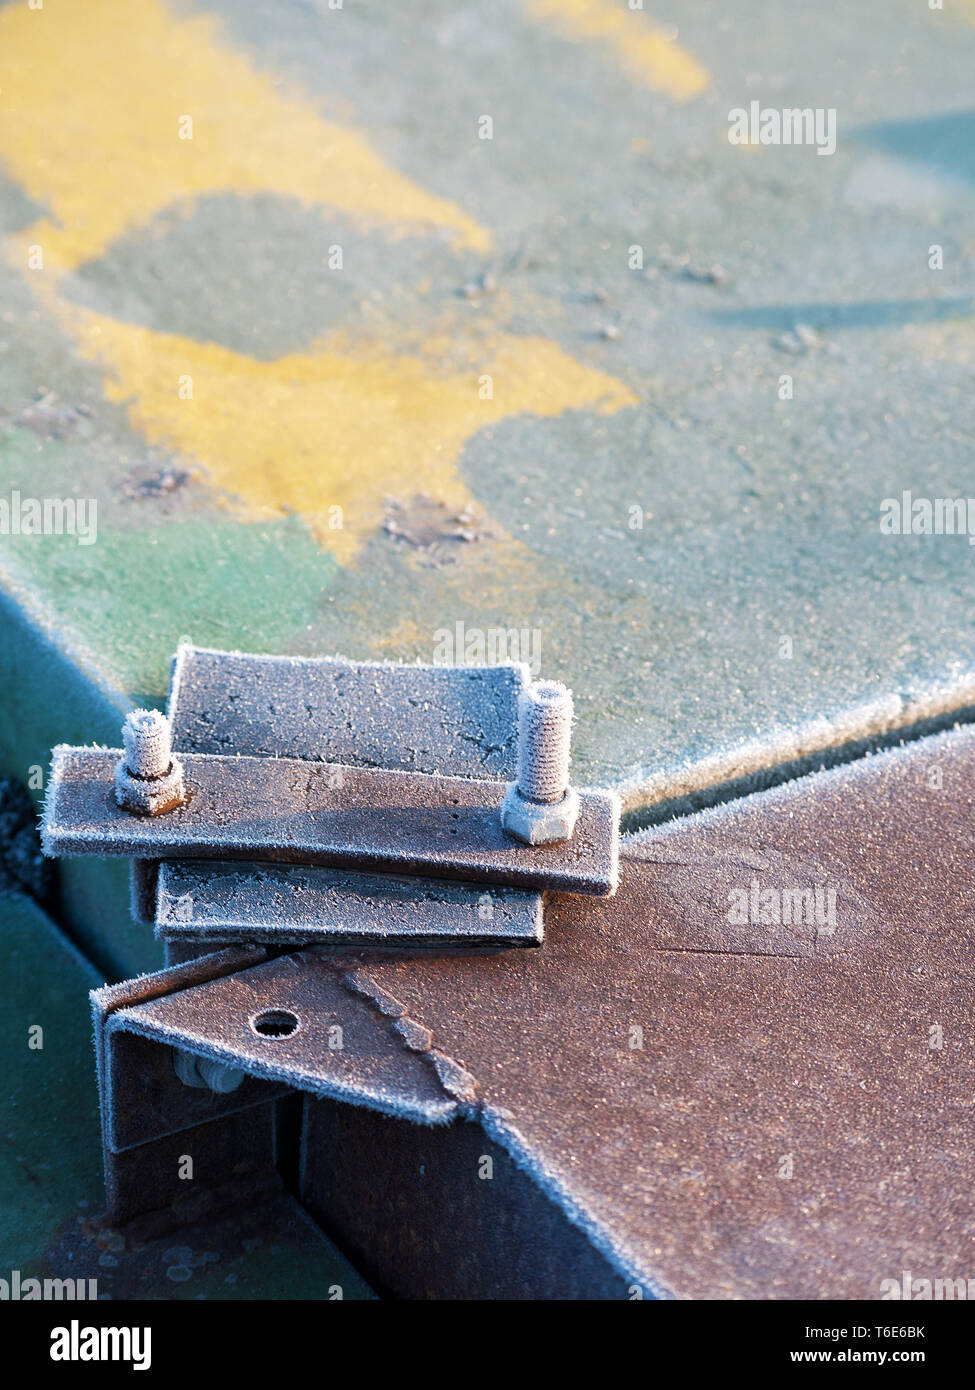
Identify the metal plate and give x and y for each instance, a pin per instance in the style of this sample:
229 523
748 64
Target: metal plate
290 811
341 1046
461 721
754 1109
743 1110
220 902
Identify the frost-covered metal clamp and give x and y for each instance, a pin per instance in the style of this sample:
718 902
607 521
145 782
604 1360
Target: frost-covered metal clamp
295 800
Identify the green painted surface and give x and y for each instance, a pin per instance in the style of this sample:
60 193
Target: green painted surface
756 614
51 1155
53 695
51 1190
760 517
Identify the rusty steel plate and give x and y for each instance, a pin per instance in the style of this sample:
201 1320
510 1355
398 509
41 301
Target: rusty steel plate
462 721
749 1108
727 1105
292 811
213 902
329 1041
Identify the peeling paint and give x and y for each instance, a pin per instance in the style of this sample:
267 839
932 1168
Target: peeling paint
458 1083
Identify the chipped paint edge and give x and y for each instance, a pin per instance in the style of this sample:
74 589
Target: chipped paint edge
888 717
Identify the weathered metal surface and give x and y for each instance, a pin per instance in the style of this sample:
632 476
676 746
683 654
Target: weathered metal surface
793 1117
190 1175
232 1158
725 1107
433 719
144 1098
143 890
214 902
330 1043
150 1120
639 514
452 720
292 811
447 1212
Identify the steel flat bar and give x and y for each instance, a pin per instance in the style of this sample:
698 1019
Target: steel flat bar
291 811
204 901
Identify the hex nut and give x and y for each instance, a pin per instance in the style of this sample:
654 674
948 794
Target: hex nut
539 822
150 796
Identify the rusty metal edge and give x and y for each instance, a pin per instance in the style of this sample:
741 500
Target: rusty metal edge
109 999
226 929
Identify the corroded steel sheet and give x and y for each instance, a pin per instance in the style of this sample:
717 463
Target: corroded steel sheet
210 902
729 1105
292 811
448 719
756 1108
330 1042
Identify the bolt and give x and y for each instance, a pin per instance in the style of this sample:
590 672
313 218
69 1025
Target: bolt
544 731
541 808
203 1073
148 747
148 778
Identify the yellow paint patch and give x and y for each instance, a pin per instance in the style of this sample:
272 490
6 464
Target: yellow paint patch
649 54
91 98
340 426
92 95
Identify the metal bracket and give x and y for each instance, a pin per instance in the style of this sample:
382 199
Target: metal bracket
291 905
252 1030
359 802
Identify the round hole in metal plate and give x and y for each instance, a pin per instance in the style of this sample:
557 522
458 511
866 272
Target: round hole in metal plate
275 1023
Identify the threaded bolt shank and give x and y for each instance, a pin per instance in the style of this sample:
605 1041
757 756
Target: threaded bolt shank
544 736
148 779
148 747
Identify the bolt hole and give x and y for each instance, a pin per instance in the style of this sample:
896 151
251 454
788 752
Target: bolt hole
275 1023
